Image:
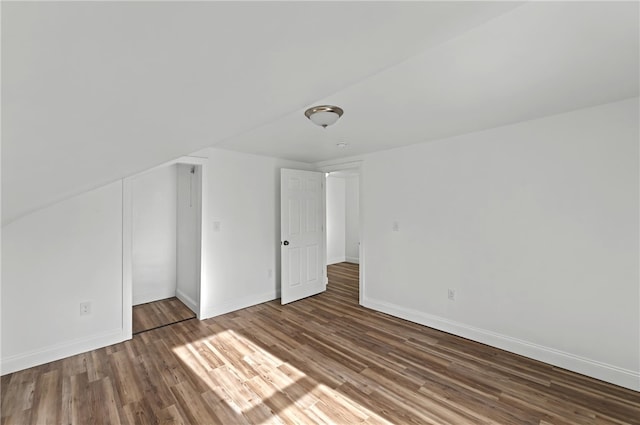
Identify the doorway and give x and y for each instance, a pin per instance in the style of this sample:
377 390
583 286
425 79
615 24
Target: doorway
343 217
308 199
163 228
344 226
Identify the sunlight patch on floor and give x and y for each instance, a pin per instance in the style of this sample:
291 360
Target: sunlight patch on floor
267 382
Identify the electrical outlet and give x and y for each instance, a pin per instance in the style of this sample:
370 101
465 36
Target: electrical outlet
85 308
452 294
269 273
395 226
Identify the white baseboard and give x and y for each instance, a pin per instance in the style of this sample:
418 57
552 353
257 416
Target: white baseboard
354 260
60 351
238 303
336 260
156 295
605 372
187 300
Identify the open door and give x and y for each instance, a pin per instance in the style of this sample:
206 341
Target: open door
302 234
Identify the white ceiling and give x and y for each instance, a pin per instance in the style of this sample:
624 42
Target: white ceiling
93 91
537 60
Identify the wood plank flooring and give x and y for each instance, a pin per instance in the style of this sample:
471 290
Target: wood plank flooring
323 359
159 313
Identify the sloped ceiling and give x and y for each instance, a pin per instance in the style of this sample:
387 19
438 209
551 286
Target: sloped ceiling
540 59
96 91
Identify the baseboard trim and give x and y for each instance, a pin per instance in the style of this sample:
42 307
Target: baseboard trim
238 304
148 297
354 260
60 351
336 260
603 371
187 300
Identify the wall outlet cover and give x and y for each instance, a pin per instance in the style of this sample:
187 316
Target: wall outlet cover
85 308
451 294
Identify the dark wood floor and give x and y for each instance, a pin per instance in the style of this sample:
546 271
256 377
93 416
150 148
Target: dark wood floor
319 360
159 313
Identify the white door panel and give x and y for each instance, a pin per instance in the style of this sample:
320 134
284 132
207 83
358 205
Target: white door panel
302 234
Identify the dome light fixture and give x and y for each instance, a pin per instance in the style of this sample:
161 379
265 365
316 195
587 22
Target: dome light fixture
324 115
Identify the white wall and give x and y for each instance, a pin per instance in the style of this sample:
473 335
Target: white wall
352 219
335 220
72 251
154 215
535 225
52 260
188 235
242 258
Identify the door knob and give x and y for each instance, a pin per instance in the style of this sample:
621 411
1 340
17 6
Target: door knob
285 243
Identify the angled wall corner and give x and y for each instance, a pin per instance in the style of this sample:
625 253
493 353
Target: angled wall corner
52 260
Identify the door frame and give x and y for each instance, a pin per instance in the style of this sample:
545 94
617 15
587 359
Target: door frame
127 239
352 165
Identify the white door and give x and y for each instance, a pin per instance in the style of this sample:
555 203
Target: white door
302 234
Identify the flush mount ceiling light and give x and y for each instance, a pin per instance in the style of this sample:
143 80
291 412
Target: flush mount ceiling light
324 115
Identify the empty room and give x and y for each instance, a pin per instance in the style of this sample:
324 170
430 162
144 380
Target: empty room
320 212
